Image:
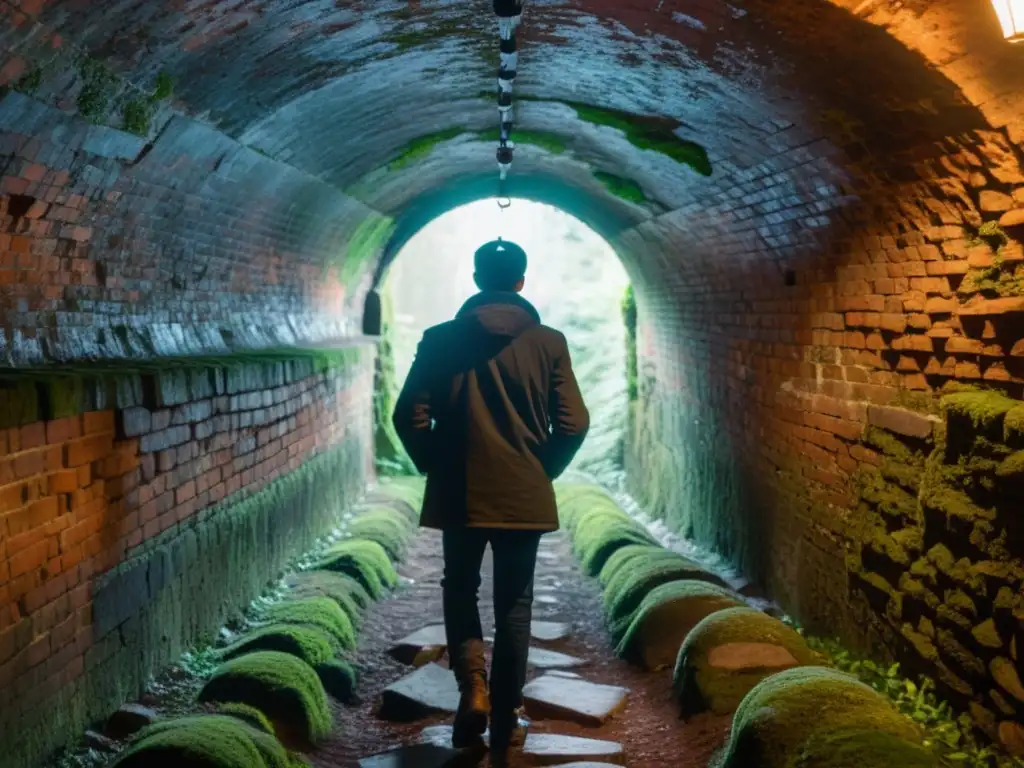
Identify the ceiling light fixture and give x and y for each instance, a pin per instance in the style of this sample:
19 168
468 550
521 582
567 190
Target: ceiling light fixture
1011 17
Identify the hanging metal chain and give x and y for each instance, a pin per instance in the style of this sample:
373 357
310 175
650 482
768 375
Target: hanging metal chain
509 13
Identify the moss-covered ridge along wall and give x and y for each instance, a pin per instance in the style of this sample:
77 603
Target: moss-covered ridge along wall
270 692
645 132
734 657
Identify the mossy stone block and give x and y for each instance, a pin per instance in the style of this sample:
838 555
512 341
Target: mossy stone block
310 643
651 637
204 741
704 683
383 525
860 748
790 710
625 593
339 678
323 613
285 688
597 542
622 558
365 561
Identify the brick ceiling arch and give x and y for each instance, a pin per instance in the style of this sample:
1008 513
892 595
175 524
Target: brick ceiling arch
339 89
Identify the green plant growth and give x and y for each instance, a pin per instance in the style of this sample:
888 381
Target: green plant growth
624 558
247 714
138 112
596 543
322 613
99 87
417 149
363 247
385 526
407 490
631 585
204 741
629 319
622 188
651 636
645 132
787 710
29 82
546 140
339 587
389 454
950 736
312 645
283 687
365 561
339 679
700 685
989 233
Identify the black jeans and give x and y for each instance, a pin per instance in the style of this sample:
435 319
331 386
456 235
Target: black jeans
515 559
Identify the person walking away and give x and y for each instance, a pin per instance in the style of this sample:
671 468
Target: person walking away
491 413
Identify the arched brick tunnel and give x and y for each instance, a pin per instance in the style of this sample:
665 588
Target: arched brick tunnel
818 204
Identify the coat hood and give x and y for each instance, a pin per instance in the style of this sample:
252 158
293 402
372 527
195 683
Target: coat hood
500 313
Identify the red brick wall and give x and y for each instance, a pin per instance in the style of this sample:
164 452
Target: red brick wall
771 378
80 495
112 247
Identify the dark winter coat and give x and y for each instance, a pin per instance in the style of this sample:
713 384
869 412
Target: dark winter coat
491 413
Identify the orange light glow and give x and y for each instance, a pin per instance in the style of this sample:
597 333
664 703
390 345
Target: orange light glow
1011 16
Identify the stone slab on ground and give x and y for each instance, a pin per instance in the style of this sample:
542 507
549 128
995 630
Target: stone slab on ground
428 690
563 673
553 697
545 659
549 631
416 756
557 749
421 647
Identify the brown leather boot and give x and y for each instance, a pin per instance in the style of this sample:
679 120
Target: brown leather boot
470 667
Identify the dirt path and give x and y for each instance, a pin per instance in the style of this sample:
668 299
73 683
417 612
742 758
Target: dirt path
648 729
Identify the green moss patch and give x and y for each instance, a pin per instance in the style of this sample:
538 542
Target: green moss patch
365 561
629 319
418 149
984 411
247 714
283 687
1013 427
311 644
621 559
622 188
339 587
596 542
384 525
791 710
651 637
339 678
323 613
408 490
546 140
706 679
204 741
864 749
625 593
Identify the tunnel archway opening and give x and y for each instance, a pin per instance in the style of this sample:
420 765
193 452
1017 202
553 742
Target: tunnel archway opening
576 281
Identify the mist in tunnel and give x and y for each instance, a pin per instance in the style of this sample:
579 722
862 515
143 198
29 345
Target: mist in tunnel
574 278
